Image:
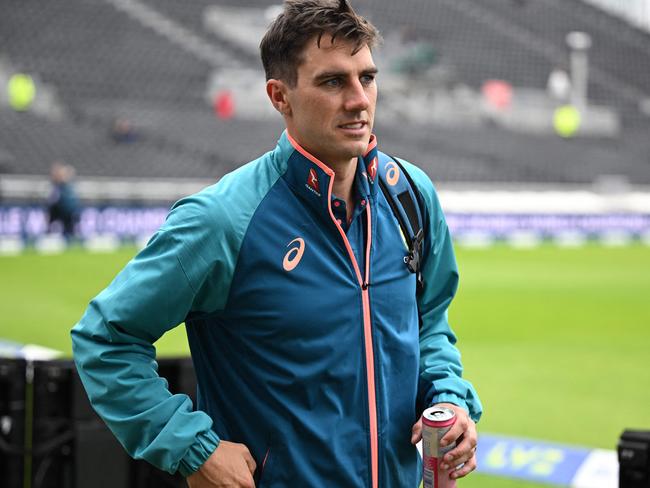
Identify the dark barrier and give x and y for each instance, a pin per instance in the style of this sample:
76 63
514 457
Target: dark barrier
634 459
51 438
12 421
51 456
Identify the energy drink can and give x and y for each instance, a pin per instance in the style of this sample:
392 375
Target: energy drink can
436 422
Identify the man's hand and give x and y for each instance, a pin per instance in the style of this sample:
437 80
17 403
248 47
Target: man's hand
465 451
230 465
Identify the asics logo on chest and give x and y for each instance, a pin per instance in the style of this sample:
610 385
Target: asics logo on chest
294 255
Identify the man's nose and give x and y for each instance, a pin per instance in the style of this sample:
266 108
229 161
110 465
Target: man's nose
356 98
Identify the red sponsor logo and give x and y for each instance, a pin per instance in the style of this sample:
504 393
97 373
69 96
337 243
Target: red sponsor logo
312 180
372 168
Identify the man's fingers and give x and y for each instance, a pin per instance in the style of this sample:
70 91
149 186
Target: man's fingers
462 453
249 482
466 469
416 432
466 445
454 433
250 462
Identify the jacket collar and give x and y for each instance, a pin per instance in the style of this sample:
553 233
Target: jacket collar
312 179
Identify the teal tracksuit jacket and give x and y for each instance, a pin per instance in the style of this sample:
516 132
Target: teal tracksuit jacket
303 328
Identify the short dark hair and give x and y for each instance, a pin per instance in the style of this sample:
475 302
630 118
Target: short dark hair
283 44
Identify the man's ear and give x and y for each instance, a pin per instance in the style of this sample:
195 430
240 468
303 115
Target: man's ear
277 92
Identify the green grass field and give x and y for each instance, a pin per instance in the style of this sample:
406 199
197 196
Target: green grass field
556 340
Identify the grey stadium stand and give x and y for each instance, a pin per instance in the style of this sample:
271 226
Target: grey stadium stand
105 64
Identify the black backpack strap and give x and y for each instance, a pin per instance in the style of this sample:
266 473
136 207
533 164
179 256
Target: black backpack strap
406 203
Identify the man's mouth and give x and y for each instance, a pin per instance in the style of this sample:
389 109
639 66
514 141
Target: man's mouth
354 125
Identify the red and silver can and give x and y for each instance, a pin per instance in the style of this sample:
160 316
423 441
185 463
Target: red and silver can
436 422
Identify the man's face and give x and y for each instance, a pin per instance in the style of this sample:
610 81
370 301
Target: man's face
332 107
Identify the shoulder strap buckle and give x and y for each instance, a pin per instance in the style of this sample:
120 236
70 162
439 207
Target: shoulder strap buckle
412 259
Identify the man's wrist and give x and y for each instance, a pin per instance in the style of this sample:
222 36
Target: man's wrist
450 398
198 453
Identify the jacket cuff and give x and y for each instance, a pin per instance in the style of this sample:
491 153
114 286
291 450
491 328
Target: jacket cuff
450 398
198 453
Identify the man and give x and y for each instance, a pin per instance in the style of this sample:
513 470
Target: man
301 316
63 205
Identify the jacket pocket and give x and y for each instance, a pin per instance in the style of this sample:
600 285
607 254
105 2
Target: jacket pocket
263 472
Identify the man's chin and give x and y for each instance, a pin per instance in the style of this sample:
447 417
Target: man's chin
362 147
357 147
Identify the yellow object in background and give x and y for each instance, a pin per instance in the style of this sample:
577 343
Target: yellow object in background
566 120
21 90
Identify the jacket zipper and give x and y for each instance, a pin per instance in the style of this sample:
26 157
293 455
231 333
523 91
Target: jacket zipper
364 283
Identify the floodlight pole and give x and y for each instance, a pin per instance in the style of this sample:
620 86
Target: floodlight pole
579 43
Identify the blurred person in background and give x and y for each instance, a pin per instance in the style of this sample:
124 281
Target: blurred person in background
63 204
122 131
311 370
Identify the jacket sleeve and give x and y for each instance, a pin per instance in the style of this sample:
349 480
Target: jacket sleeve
114 352
441 369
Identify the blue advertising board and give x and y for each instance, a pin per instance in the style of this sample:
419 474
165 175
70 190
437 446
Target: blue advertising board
529 459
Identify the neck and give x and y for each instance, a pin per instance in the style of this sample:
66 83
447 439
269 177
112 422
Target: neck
344 173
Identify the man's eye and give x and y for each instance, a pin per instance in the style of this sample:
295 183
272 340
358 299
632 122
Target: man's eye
367 79
333 83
